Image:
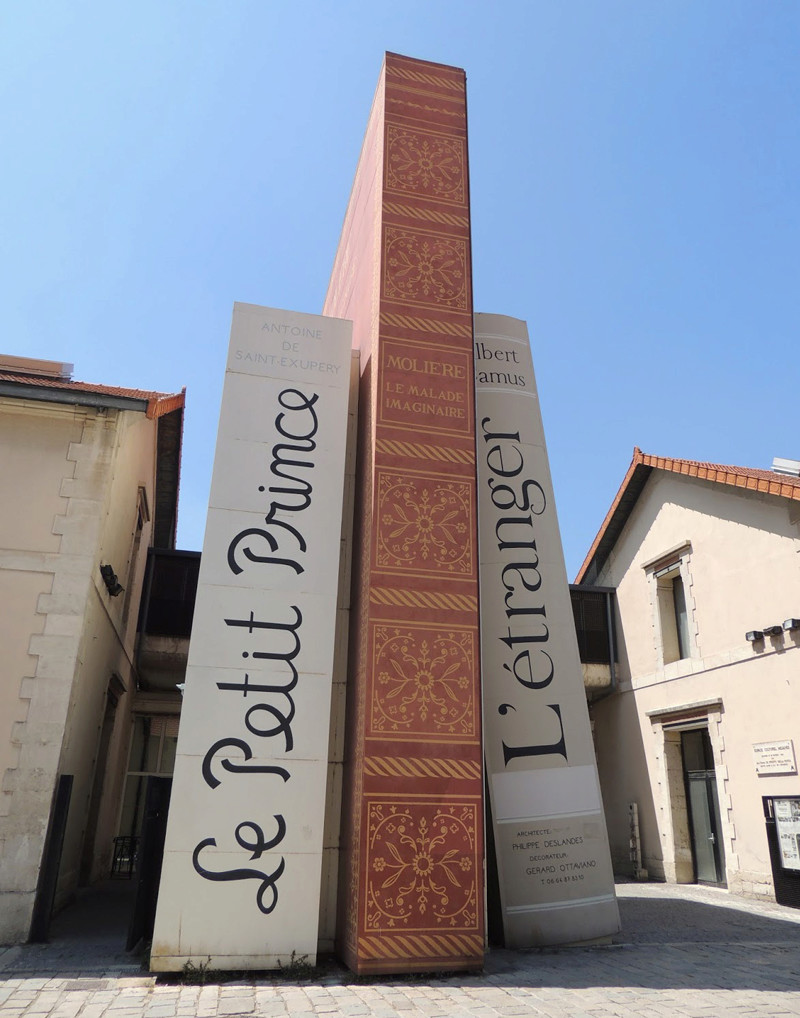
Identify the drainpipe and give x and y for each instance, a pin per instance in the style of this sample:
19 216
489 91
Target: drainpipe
612 649
145 616
639 872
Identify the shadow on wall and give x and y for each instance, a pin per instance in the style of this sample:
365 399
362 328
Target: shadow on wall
624 778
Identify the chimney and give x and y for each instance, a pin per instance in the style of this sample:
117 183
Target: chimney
783 466
35 368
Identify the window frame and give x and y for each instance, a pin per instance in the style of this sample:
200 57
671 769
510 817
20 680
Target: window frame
675 633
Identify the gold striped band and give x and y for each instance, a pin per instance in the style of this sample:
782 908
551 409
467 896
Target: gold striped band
422 945
424 452
421 767
431 215
428 79
427 325
402 598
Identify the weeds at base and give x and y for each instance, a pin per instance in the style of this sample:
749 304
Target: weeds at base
194 975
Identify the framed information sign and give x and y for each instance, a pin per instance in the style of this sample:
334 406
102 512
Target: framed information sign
787 823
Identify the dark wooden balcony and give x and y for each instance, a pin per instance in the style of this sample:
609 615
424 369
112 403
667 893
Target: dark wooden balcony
165 618
593 610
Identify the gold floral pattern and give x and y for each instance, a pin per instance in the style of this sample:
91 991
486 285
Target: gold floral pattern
425 269
423 681
424 524
422 866
425 164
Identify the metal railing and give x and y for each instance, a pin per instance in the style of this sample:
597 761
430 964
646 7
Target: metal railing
126 851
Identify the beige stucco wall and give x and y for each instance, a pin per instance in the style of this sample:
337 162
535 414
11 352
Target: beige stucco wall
19 595
742 572
106 649
133 466
68 502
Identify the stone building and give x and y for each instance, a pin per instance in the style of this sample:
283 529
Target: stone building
700 726
90 483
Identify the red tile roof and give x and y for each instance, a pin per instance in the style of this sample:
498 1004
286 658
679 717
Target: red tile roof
750 478
158 403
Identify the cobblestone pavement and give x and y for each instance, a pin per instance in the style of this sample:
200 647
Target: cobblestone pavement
685 952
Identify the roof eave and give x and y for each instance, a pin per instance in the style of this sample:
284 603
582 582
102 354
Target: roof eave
72 397
615 520
169 446
642 465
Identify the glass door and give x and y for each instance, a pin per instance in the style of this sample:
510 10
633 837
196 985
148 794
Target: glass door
703 807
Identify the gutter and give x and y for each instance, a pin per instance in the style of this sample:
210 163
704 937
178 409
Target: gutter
47 394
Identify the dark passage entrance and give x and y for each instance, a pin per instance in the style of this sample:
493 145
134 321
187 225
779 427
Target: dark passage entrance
51 861
151 854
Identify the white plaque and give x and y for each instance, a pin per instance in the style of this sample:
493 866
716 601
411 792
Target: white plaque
775 757
787 823
240 882
554 866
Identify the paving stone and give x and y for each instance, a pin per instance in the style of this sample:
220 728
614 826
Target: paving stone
92 1010
680 956
235 1005
271 1008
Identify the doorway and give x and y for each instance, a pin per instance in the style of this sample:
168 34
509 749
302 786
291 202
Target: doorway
150 858
702 804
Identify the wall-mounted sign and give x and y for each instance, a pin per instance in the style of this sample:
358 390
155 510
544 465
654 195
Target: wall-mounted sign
242 864
554 867
775 757
787 823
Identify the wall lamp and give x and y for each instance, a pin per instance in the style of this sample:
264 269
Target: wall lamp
773 630
790 625
113 586
754 636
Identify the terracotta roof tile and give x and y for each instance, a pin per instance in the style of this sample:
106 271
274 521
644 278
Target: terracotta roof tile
740 477
751 478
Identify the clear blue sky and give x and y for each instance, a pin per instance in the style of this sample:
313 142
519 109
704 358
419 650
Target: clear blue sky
635 177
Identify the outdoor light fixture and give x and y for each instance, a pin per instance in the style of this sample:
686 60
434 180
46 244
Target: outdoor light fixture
791 624
113 586
773 630
754 636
